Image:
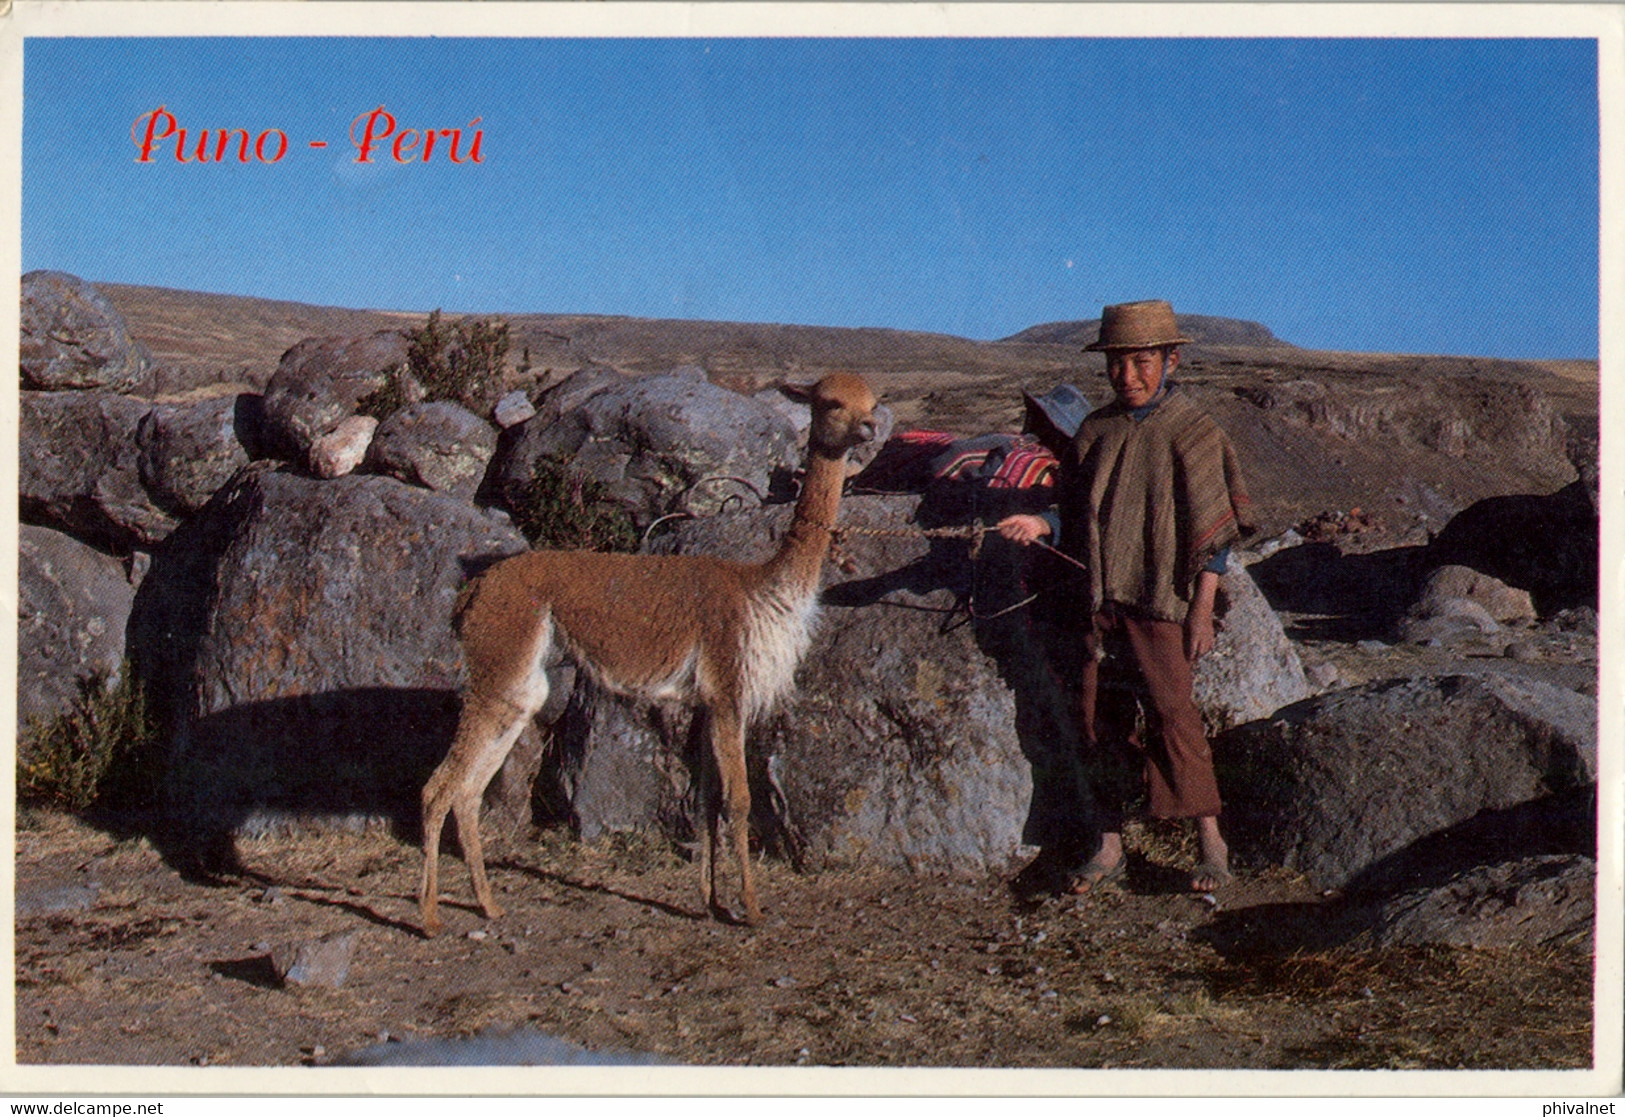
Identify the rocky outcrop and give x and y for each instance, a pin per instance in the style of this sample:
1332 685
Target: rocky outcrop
73 339
1546 545
301 630
73 603
1331 786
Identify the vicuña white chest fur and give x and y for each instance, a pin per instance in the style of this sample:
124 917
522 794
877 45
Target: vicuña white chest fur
778 627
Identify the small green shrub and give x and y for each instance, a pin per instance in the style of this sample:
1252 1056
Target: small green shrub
461 363
561 509
71 760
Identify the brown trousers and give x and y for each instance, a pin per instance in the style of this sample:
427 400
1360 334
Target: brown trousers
1145 672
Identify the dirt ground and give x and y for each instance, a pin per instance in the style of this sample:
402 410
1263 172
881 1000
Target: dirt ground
119 960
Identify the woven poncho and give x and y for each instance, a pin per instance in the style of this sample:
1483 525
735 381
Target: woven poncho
1146 503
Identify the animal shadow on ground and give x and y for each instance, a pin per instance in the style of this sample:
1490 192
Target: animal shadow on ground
359 756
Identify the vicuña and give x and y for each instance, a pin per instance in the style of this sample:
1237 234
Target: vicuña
724 637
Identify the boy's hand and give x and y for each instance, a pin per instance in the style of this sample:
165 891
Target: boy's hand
1022 528
1199 636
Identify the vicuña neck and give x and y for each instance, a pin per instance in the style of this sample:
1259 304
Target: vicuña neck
801 555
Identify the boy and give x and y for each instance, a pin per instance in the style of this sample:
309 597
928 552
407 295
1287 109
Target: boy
1150 500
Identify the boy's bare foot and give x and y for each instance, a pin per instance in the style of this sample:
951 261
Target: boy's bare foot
1107 865
1214 871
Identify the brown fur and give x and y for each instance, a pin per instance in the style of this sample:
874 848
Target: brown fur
722 636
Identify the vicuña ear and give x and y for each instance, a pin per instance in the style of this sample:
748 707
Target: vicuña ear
801 393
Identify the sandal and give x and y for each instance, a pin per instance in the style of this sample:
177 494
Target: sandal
1080 882
1209 877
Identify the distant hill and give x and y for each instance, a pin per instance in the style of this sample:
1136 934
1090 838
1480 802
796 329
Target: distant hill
1200 328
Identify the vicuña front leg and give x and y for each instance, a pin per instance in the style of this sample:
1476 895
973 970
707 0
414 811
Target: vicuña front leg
728 749
486 732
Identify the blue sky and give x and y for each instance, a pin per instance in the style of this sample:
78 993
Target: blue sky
1402 195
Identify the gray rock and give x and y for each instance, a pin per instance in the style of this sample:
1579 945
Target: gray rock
512 409
440 446
619 765
73 605
674 442
188 451
1323 676
1253 669
575 390
1446 619
1531 901
1287 539
80 469
72 338
1447 584
324 961
302 631
1332 785
318 383
55 900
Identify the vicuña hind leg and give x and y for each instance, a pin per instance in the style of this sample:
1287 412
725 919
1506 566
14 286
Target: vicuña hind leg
709 808
728 748
486 732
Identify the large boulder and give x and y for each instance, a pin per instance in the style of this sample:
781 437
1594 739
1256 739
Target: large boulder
1546 545
72 338
318 383
188 451
931 723
907 741
440 446
79 469
73 603
657 444
302 631
1253 669
1332 786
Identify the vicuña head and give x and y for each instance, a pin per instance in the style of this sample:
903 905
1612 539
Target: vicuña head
724 637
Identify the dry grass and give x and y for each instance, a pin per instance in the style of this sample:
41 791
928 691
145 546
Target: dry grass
605 945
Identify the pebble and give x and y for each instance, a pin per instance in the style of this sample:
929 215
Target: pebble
513 409
1520 651
323 961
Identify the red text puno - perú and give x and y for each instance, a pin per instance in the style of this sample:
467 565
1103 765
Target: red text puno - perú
374 135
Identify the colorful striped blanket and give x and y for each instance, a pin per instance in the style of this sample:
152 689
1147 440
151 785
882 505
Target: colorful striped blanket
1000 461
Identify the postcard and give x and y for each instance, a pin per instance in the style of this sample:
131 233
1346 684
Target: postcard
814 549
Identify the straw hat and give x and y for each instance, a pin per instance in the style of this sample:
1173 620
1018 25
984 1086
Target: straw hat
1142 325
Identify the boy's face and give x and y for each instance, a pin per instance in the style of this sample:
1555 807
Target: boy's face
1137 374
